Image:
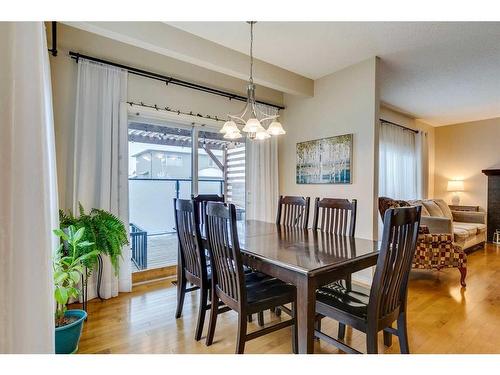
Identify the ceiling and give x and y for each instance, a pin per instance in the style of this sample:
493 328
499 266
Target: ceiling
440 72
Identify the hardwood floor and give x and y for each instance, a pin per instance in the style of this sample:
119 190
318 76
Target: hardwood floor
442 318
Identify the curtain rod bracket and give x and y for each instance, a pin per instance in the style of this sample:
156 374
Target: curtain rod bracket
53 50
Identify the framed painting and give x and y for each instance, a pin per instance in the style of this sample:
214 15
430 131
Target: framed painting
325 161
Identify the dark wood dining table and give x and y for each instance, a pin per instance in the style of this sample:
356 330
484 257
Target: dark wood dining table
305 258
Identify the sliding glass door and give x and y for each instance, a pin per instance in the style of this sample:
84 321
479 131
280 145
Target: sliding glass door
160 170
167 161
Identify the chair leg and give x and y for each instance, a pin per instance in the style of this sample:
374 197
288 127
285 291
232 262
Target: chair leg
387 339
181 293
295 336
463 274
371 342
341 335
260 318
242 334
213 319
317 325
250 318
403 334
348 282
277 311
202 309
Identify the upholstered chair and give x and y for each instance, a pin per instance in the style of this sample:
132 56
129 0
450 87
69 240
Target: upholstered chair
434 251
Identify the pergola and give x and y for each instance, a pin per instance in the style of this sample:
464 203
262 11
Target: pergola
233 152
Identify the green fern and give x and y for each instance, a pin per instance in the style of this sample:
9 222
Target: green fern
106 231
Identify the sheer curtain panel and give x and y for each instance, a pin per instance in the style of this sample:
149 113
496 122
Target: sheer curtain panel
422 154
397 163
262 176
28 191
100 160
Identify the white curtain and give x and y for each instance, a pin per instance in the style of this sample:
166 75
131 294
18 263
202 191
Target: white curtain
262 176
397 163
28 191
422 155
100 162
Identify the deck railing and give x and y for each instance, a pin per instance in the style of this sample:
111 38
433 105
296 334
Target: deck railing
178 181
139 246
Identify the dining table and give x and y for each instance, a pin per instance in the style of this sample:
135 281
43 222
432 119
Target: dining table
305 258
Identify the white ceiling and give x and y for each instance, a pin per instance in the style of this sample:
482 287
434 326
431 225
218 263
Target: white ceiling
441 72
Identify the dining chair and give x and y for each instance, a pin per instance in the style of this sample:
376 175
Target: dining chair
293 211
200 202
192 263
376 309
333 215
232 287
337 216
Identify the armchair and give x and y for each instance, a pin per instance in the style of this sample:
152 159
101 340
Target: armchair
436 250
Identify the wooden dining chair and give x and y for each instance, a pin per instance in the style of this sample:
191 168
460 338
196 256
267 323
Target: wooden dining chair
232 286
376 309
293 211
336 216
192 263
200 203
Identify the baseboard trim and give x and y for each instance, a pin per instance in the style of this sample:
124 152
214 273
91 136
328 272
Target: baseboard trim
154 274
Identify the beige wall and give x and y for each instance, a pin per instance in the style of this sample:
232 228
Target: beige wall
343 102
398 117
64 74
462 151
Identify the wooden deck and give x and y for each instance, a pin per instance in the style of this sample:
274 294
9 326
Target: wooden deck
162 251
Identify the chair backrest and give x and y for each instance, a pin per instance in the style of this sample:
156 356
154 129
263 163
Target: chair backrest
225 256
188 233
336 216
390 282
293 211
200 202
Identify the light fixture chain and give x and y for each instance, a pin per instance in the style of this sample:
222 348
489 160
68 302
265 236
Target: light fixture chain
251 51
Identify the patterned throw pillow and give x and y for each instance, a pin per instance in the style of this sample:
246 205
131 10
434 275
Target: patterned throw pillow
384 203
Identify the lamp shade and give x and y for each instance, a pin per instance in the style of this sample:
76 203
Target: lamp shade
233 135
229 126
262 135
275 128
253 126
455 185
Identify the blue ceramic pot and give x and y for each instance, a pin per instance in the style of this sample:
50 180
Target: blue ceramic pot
68 336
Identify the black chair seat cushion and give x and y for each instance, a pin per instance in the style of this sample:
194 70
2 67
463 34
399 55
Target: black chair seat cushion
354 301
268 293
250 277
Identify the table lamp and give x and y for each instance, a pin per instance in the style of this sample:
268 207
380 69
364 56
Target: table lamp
455 186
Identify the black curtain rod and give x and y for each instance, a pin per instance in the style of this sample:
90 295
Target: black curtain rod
170 80
401 126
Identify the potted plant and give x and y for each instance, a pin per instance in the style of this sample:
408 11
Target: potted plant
106 233
68 268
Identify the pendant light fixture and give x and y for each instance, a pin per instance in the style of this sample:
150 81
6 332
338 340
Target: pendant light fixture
251 117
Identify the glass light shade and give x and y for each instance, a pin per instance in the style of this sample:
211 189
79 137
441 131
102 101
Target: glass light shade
275 128
229 126
262 135
455 185
233 135
253 126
